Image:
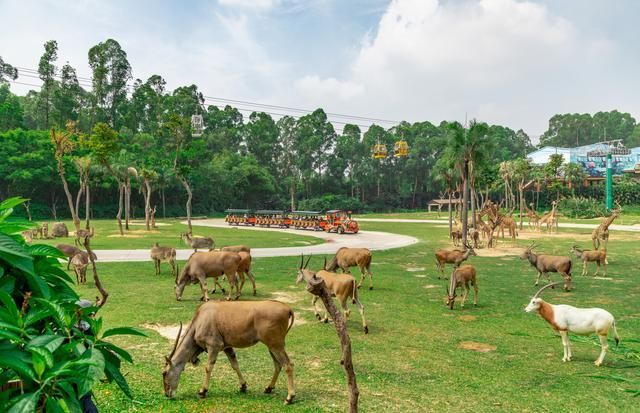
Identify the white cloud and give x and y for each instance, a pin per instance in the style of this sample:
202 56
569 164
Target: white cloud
503 61
250 4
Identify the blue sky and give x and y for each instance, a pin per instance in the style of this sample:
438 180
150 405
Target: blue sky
502 61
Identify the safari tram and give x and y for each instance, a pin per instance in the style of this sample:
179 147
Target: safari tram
335 220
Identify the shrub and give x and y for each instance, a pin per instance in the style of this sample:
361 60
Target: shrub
326 202
48 343
579 207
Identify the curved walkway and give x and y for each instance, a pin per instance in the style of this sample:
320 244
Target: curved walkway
373 240
631 228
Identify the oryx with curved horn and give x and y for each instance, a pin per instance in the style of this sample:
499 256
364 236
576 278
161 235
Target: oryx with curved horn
545 264
583 321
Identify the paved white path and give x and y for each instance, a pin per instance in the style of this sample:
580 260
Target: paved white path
373 240
632 228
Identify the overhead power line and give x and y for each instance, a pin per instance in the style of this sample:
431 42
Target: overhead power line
260 107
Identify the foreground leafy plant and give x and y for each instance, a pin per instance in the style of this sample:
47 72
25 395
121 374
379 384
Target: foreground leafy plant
52 350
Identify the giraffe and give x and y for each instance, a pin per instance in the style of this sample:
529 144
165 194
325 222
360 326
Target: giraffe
601 232
532 216
550 219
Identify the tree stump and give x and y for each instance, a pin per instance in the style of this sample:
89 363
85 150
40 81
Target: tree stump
316 286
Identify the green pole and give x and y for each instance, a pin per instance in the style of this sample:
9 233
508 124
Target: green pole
609 189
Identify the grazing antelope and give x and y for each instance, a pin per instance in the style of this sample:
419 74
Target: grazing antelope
341 286
223 326
197 242
163 254
70 251
81 234
80 261
209 264
545 264
244 268
351 257
462 277
455 257
582 321
597 256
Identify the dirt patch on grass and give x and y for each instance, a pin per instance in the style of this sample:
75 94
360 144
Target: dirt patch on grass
124 236
558 235
169 332
430 286
286 297
603 278
467 318
500 252
476 346
420 275
415 269
141 223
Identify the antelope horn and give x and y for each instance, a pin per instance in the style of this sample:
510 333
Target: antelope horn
324 267
545 287
301 261
175 345
307 263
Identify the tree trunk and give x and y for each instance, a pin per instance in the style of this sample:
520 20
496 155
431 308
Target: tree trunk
104 294
415 189
450 212
465 201
316 286
473 207
27 206
186 186
521 190
164 206
147 203
292 194
120 204
87 205
127 202
65 185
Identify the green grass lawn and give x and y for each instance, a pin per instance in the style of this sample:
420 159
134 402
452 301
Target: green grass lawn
168 233
411 360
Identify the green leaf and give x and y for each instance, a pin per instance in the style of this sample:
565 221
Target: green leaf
25 403
16 227
123 331
113 373
11 202
45 250
34 315
56 310
38 285
94 372
44 354
105 346
50 341
39 364
9 304
9 246
14 360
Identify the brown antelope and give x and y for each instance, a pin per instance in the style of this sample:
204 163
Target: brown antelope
80 261
223 326
456 237
341 286
545 264
462 277
350 257
81 234
163 254
597 256
197 242
236 248
455 257
244 268
212 264
70 251
582 321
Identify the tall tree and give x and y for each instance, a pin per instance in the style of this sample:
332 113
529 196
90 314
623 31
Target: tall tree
7 72
47 71
67 97
178 127
288 165
521 173
111 72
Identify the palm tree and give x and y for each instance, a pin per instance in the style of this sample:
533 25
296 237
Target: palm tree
445 172
521 172
573 173
469 147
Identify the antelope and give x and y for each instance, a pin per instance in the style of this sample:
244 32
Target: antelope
163 254
245 269
341 286
81 234
583 321
43 231
80 261
456 237
209 264
461 277
350 257
545 264
455 257
197 242
223 326
597 256
70 251
236 248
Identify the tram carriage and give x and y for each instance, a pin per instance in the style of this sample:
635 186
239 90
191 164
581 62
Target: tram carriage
335 220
